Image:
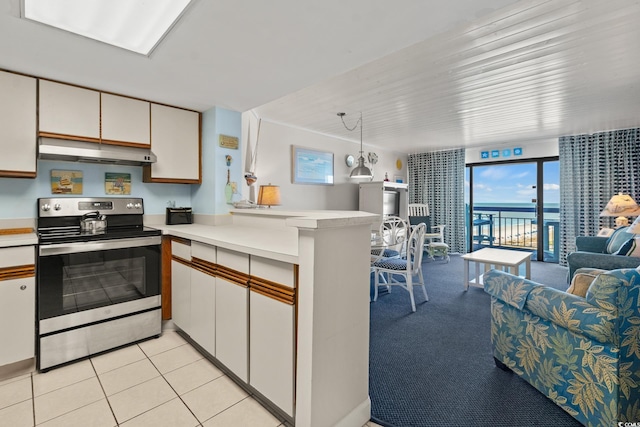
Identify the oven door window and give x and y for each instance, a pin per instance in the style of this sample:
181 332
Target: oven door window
76 282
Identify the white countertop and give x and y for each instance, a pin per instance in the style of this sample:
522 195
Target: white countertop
270 233
313 219
8 240
275 243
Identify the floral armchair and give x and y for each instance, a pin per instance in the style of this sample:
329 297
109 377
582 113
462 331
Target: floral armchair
582 353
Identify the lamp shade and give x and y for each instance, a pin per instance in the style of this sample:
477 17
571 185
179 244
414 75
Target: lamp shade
621 205
269 195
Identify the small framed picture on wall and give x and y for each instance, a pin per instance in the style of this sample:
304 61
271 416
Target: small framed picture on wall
116 183
66 182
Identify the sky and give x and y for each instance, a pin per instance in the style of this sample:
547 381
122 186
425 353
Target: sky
513 183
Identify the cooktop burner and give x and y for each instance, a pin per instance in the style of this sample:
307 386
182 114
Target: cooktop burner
72 236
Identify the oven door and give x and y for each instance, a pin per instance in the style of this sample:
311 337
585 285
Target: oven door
81 277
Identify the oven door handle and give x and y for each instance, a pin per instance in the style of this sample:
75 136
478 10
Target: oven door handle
102 245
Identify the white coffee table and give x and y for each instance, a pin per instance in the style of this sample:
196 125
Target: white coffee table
509 261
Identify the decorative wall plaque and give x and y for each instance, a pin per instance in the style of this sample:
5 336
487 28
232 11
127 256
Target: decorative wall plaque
227 141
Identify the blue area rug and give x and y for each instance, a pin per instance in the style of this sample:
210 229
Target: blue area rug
435 367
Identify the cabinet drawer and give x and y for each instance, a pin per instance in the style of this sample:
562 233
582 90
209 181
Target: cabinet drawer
181 250
274 271
233 260
204 252
21 255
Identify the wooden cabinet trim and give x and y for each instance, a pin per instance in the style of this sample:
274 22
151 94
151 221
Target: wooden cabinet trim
204 266
146 177
181 261
8 231
273 290
166 277
68 137
233 276
17 174
17 272
125 144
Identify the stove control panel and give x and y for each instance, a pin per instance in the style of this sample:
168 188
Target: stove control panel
77 206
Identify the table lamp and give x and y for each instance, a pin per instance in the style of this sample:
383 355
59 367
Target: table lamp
621 206
269 195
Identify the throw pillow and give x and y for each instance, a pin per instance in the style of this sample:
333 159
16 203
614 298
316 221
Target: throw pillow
603 291
582 280
617 239
630 248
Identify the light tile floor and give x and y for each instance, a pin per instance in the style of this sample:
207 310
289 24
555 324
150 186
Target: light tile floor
160 382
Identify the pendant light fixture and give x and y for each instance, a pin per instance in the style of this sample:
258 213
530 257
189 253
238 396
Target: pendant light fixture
360 171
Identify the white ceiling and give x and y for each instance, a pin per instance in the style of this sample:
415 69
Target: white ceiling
425 74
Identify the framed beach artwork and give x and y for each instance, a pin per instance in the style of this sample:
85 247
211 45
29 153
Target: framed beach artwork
310 166
66 182
116 183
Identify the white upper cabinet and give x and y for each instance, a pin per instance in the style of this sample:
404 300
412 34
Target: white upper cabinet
69 111
18 126
125 120
175 140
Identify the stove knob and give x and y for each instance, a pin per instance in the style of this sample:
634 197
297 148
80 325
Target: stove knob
138 205
46 207
129 205
57 206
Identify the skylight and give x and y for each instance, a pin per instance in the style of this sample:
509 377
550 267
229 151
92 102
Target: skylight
136 25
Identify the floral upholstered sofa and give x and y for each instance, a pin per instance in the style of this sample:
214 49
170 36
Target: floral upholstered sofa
581 352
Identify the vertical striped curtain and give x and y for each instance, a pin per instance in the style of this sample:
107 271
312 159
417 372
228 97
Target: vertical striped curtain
437 178
592 169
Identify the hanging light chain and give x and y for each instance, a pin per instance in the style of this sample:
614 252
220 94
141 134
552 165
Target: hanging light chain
354 126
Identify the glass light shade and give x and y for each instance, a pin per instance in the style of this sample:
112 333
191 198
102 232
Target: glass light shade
133 25
361 171
269 195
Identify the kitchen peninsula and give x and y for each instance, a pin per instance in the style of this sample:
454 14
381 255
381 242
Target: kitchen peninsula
280 300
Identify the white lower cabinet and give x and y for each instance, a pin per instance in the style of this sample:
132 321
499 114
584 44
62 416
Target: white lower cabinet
203 310
246 321
181 295
231 326
272 357
17 313
17 304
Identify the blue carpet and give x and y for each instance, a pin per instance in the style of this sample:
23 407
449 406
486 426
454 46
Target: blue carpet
435 367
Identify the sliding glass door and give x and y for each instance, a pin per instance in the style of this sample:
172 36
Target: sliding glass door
514 205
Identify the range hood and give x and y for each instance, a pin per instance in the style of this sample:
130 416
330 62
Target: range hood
92 152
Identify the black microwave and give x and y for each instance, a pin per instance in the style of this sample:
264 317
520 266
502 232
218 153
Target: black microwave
179 216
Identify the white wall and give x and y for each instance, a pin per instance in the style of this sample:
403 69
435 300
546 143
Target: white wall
274 166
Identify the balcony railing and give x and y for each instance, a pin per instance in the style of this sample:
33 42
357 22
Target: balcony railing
516 227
